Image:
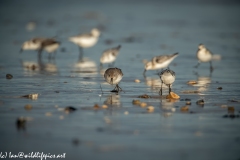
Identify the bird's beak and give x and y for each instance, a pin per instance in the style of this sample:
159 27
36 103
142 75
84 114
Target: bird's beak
112 80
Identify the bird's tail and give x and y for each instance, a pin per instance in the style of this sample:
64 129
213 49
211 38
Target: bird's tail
175 54
118 47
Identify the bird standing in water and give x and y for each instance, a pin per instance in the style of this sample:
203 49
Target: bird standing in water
167 77
85 40
50 45
204 55
159 62
110 55
114 76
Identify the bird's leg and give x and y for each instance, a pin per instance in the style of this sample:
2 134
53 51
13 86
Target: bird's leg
53 57
54 54
40 53
49 56
210 75
80 53
119 88
211 67
197 65
144 73
160 91
115 89
111 102
169 88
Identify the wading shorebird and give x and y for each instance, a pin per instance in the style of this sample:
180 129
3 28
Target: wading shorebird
110 55
85 40
204 55
167 77
50 45
114 76
32 44
159 62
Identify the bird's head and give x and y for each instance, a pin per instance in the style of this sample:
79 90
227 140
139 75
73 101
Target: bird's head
30 45
95 32
148 65
201 46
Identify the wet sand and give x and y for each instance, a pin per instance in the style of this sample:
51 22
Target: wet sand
123 130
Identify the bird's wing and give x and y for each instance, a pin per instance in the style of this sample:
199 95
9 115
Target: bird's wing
112 51
115 51
38 40
163 58
85 35
209 52
107 52
160 59
49 42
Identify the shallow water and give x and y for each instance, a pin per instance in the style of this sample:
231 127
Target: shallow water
124 130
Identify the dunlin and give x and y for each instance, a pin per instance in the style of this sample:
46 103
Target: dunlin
114 76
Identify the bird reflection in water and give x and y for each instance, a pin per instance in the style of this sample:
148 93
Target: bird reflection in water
168 106
29 65
203 82
113 100
85 65
154 83
39 66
